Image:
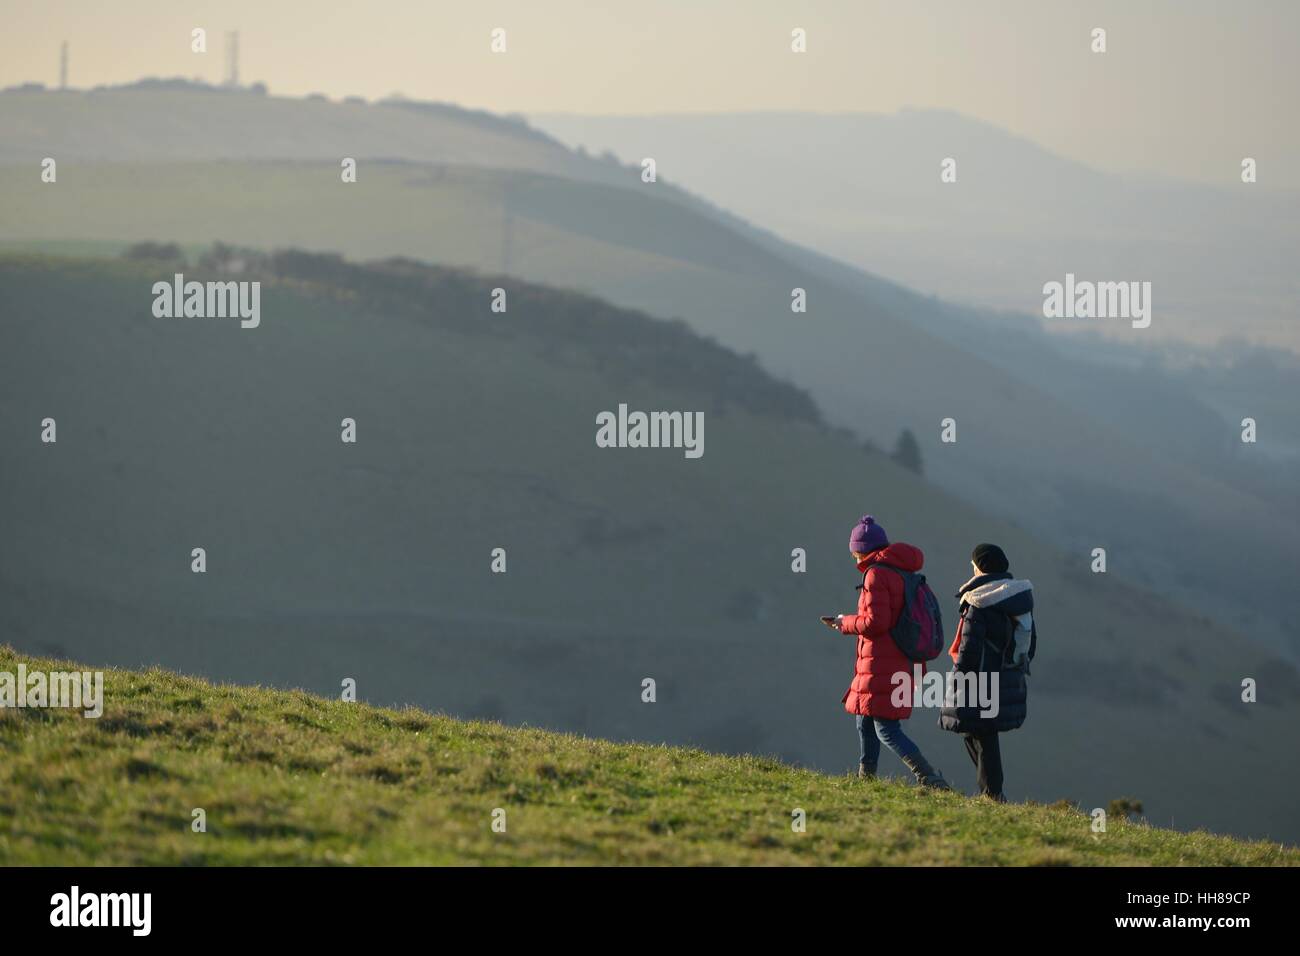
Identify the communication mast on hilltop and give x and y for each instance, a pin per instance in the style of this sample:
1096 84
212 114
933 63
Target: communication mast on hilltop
63 66
232 58
507 233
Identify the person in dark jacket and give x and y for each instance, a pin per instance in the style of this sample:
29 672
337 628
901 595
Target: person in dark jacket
995 642
871 698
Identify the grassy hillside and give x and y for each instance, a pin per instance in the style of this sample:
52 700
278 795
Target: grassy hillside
286 777
475 431
192 122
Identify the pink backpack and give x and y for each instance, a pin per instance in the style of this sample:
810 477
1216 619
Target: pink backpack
919 631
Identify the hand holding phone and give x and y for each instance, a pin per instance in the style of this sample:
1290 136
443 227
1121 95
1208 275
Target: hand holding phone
830 621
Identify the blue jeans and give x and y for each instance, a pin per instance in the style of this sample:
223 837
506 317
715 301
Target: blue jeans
889 731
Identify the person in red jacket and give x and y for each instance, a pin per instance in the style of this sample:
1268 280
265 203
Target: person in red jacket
874 696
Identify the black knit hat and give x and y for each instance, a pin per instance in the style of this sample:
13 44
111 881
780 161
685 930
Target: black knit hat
989 558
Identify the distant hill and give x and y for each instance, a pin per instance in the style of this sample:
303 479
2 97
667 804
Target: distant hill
1106 447
149 122
476 431
1129 459
291 778
865 188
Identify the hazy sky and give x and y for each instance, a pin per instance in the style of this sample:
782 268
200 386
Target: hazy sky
1187 87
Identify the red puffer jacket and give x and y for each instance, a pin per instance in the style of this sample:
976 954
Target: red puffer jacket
879 604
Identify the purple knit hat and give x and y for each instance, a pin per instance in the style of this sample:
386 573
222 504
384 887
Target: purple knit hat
867 536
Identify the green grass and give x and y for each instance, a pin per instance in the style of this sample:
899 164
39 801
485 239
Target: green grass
286 777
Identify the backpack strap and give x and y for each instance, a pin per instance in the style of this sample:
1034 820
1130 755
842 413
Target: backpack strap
966 612
880 564
1008 637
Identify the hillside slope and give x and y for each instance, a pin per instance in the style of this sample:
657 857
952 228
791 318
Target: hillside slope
286 777
865 188
1099 457
475 431
192 122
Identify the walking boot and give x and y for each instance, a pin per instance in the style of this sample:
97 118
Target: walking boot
926 775
866 771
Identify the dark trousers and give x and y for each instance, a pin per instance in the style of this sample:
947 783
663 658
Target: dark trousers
986 754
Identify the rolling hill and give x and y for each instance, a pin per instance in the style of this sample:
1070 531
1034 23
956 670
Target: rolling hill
865 188
1121 455
289 778
475 431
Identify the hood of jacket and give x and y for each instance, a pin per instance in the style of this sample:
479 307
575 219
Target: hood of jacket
1014 596
905 557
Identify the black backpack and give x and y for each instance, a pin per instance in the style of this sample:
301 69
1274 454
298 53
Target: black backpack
1015 643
